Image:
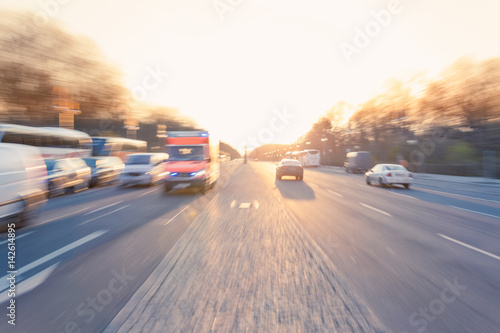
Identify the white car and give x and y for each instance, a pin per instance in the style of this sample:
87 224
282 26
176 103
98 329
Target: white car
23 183
389 174
144 169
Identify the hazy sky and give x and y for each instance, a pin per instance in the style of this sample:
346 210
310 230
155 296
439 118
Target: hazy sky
233 64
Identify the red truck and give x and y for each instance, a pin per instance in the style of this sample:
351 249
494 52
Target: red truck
193 160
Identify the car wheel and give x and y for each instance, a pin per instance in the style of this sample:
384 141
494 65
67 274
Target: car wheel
301 178
368 181
51 189
407 186
381 182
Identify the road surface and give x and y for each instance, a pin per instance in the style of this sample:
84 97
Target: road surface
259 254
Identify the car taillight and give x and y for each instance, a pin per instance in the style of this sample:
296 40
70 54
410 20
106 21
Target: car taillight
389 174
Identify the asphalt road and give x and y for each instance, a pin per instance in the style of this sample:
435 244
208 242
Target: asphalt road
260 254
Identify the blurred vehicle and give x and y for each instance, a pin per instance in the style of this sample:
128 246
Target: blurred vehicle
289 167
193 160
310 158
23 183
358 161
67 175
144 169
104 170
114 146
53 142
389 174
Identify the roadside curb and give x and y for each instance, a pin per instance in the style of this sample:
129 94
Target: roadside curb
471 181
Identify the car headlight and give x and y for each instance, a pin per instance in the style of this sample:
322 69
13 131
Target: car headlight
199 174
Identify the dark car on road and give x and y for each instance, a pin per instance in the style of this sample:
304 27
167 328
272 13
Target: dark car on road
358 162
104 170
289 167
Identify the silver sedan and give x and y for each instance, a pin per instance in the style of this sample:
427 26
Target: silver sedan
389 174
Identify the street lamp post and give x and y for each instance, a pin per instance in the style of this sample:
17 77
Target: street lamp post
324 139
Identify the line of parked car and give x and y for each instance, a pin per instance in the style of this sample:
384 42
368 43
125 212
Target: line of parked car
27 180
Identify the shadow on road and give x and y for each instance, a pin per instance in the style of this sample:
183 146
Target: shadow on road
294 189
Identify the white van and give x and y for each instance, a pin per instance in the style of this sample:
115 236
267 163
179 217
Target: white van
23 183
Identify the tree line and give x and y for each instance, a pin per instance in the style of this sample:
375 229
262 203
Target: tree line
438 125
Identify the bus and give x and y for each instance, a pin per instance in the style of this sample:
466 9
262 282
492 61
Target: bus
308 157
53 142
115 146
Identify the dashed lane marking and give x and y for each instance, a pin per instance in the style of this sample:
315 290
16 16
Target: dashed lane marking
375 209
470 247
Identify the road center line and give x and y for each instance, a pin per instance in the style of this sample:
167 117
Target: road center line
57 253
473 211
176 215
147 192
17 237
375 209
337 194
470 247
458 195
403 195
98 217
63 216
98 209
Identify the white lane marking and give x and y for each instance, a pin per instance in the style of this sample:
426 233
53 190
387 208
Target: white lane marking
233 203
375 209
183 209
403 195
459 195
17 237
29 284
54 254
470 247
98 209
98 217
314 185
59 316
145 193
337 194
245 205
256 204
473 211
63 216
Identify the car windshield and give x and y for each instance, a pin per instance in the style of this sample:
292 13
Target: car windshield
138 159
395 167
50 164
185 153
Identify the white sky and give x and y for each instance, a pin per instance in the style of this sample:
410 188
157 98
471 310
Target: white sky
229 74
